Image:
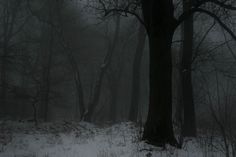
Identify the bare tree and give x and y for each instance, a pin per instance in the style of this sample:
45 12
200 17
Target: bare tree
161 23
13 20
80 105
47 42
56 24
221 107
103 70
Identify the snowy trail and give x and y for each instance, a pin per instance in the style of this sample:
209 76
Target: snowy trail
85 140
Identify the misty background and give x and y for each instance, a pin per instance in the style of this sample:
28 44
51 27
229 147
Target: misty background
53 53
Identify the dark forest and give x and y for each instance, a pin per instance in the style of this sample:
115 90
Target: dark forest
117 78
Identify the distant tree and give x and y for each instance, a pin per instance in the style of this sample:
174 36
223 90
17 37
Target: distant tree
55 21
68 52
103 70
136 74
47 48
114 72
12 22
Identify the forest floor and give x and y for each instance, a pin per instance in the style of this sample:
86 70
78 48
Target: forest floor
71 139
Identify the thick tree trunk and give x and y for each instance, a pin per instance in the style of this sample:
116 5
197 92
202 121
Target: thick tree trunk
189 122
158 128
133 111
160 24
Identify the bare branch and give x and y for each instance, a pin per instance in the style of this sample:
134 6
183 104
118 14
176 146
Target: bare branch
202 40
126 12
228 46
220 4
224 26
123 10
196 8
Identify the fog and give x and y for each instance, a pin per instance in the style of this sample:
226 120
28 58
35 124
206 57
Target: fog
90 65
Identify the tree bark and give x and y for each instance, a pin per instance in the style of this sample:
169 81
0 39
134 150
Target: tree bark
160 24
134 107
189 122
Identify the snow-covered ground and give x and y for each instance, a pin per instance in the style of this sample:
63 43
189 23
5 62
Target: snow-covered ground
19 139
